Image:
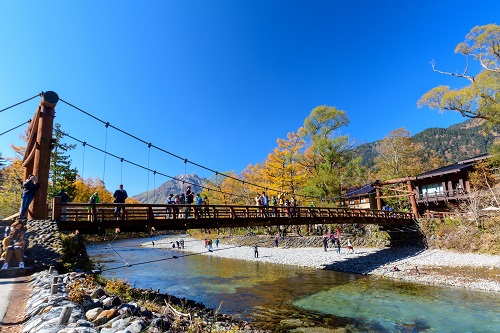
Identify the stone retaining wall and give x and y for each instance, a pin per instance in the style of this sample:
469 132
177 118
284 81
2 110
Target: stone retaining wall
45 247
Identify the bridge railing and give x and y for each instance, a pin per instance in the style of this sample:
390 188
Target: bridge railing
105 212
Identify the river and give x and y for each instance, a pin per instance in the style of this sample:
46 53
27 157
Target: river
291 299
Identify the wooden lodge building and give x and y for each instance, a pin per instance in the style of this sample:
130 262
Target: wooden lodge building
436 189
362 197
432 191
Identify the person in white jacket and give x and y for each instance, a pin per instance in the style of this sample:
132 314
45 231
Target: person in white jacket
349 246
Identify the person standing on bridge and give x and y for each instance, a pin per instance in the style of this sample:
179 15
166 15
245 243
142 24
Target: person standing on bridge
170 202
189 200
29 189
64 199
206 210
197 209
120 195
182 201
265 204
258 202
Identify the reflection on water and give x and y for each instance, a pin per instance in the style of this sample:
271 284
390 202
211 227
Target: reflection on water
289 299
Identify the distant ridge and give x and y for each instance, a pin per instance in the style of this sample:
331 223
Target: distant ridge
159 194
455 143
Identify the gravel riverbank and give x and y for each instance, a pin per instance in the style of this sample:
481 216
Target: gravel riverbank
470 271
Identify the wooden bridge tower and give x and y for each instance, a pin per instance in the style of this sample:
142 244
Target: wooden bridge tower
38 150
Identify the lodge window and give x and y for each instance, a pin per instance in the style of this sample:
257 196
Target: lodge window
351 201
364 200
431 189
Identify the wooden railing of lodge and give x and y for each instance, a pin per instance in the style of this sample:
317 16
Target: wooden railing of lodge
136 217
441 196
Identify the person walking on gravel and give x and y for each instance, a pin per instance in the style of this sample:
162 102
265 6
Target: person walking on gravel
349 246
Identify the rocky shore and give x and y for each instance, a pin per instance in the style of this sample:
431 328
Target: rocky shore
71 303
418 265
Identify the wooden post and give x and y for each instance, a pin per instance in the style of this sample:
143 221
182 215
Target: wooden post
55 285
65 314
38 150
377 194
56 208
413 202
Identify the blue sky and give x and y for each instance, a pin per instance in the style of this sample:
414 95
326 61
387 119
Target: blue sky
217 82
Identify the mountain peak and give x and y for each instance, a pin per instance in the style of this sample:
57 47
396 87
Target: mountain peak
173 186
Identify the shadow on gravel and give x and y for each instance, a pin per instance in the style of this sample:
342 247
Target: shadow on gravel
363 264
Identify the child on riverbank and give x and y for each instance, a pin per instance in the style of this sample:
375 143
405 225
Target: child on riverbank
349 246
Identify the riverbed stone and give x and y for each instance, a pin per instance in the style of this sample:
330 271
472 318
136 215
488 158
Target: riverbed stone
105 316
136 327
33 322
97 293
52 329
111 301
83 323
108 330
92 314
128 308
121 324
161 324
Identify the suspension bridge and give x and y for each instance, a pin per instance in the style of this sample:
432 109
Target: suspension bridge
90 218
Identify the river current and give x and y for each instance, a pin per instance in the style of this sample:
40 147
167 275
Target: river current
291 299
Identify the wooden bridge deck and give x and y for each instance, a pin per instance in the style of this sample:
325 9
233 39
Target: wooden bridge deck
89 218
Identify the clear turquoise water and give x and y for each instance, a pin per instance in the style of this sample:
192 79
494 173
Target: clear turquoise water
288 299
387 306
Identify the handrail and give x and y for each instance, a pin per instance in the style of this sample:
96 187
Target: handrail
105 212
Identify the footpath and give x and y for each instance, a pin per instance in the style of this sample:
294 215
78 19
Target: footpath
6 285
44 248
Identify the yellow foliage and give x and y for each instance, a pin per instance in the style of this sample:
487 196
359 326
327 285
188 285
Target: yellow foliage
85 188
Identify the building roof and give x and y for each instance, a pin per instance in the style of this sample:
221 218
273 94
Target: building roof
358 191
453 168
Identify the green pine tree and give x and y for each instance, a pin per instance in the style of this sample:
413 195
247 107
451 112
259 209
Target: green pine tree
61 174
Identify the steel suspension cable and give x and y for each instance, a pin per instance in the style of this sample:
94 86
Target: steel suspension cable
121 171
172 154
83 158
26 122
163 259
145 168
26 100
147 188
105 149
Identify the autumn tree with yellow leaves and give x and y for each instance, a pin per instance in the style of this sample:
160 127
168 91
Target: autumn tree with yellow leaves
11 180
282 169
227 190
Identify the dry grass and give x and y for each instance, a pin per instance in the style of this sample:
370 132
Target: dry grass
462 235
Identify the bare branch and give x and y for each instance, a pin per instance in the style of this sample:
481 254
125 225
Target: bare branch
463 75
497 70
